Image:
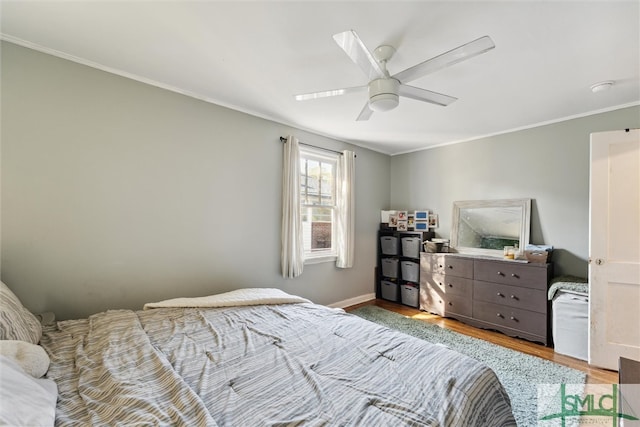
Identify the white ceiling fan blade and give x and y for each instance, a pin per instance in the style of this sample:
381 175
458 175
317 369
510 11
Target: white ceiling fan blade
328 93
425 95
358 52
446 59
365 114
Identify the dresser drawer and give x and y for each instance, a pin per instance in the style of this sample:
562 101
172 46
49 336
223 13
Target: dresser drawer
447 264
513 318
432 299
457 304
451 285
512 273
445 305
512 296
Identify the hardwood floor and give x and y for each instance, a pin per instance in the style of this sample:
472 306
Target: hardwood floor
594 375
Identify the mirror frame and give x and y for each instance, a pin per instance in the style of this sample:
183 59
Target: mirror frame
525 223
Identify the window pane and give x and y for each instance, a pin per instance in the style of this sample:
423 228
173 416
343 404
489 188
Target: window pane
317 225
316 182
317 200
326 184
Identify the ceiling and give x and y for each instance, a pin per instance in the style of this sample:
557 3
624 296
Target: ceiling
254 56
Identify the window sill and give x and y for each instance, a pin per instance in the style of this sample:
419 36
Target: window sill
320 259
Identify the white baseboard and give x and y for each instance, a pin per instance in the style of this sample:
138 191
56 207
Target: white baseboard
353 301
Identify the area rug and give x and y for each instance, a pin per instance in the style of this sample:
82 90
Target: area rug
519 373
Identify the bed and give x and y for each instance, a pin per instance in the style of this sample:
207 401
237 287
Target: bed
278 360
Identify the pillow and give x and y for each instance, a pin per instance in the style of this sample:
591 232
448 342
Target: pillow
24 400
16 322
32 358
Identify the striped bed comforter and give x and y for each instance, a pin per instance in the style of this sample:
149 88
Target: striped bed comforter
267 365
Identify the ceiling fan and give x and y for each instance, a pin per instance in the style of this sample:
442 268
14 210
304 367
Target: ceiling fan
385 89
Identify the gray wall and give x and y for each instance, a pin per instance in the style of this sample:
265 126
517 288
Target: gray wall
116 193
549 164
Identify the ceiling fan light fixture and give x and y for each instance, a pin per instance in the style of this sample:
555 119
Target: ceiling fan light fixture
383 94
384 102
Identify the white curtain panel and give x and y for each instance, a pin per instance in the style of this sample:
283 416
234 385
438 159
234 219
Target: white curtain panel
345 224
292 256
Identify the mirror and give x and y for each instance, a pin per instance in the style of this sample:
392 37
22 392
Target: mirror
485 227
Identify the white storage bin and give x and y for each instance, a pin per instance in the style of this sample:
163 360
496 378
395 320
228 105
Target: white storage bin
389 245
390 267
571 324
411 247
410 271
409 295
389 290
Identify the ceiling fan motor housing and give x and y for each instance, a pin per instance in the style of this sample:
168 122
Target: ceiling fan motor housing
383 94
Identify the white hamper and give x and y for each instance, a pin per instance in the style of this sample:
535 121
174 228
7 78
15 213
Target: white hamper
571 323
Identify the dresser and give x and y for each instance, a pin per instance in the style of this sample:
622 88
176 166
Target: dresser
490 293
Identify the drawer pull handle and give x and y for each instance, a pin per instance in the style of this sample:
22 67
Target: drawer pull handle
500 273
450 285
500 315
500 295
515 275
514 297
450 303
513 318
450 266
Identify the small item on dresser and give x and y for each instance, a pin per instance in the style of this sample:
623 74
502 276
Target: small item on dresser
436 245
509 252
538 253
517 253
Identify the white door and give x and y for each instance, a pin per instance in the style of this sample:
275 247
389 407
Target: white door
614 248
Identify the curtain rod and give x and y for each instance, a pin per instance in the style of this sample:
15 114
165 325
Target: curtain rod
283 139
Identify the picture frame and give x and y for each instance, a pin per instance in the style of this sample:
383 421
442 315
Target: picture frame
433 220
402 215
393 220
384 216
422 215
410 222
403 225
421 225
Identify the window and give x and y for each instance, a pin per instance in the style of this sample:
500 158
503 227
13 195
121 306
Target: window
318 204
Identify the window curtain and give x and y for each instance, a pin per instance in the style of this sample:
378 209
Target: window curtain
292 256
345 200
